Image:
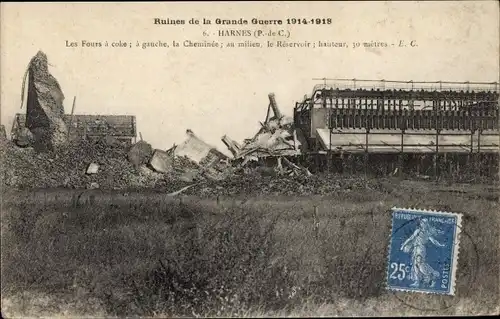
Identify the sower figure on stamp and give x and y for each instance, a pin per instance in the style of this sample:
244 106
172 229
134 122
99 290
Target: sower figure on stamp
421 271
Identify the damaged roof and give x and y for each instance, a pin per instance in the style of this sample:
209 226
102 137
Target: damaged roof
115 125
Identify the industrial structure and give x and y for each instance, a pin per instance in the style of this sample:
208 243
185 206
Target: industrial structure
430 128
91 127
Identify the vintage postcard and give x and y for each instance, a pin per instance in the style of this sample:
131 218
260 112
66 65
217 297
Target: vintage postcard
249 159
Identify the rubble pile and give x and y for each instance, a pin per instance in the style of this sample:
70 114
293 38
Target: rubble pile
108 164
276 137
276 140
39 155
69 167
100 165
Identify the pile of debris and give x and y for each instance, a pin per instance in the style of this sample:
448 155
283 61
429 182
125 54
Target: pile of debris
40 155
277 139
191 161
83 165
107 165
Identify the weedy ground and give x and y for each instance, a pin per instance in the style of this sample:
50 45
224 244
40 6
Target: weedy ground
114 254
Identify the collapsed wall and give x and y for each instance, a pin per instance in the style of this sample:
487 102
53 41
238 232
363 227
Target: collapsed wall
44 106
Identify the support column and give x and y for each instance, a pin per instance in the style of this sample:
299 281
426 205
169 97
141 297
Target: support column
478 156
342 163
434 162
436 155
419 163
366 151
450 166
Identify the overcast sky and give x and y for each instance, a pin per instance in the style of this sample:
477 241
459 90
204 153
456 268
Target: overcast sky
224 91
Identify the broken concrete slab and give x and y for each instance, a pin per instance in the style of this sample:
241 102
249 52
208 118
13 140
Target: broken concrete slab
93 185
23 137
161 161
198 150
140 153
93 168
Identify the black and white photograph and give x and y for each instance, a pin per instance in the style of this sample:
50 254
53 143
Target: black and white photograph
249 159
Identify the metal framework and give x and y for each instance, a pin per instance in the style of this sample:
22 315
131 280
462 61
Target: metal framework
412 118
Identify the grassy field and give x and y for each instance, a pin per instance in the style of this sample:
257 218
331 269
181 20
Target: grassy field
116 254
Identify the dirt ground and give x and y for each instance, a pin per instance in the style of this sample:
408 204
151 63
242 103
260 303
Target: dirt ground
84 253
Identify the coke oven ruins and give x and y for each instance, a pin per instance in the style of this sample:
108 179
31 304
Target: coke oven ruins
419 129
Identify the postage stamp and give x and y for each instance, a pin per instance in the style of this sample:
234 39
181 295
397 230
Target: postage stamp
423 251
